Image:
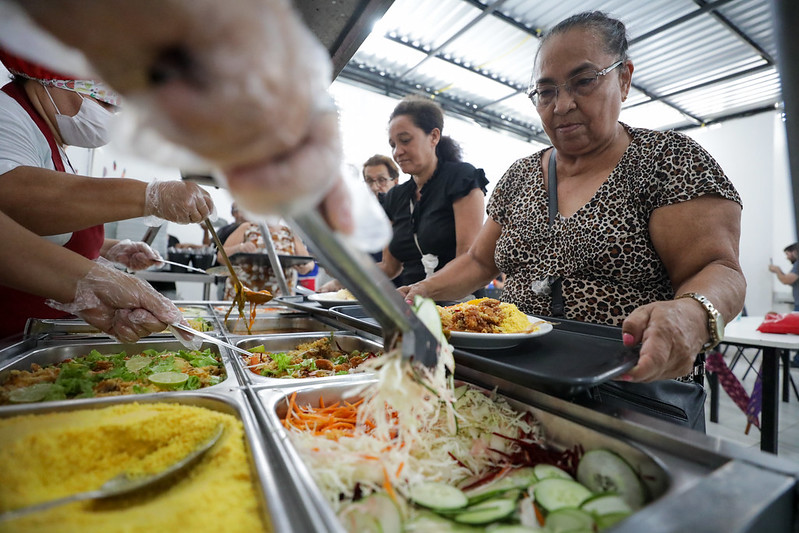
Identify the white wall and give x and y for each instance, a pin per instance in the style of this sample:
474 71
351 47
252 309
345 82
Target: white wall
752 151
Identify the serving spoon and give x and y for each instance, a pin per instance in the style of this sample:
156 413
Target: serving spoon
122 483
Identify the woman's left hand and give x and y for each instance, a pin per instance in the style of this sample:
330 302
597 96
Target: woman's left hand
671 334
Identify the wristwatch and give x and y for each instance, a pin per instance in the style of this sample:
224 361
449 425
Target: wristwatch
715 322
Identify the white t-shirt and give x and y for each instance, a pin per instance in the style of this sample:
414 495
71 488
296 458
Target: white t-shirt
23 144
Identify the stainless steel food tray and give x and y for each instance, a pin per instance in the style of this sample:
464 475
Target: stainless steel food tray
54 354
700 483
280 343
277 492
292 323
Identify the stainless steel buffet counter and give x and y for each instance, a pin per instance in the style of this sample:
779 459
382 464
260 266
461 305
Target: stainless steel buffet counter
701 483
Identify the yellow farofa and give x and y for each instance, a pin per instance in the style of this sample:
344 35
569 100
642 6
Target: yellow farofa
513 321
48 456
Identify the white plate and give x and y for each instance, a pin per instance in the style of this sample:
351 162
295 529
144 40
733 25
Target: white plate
327 300
495 341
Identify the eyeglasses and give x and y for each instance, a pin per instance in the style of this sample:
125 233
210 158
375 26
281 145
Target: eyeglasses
582 84
379 181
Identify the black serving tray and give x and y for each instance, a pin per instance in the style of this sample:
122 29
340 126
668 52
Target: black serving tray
573 357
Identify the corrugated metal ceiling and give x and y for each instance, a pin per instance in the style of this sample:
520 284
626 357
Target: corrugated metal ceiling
696 62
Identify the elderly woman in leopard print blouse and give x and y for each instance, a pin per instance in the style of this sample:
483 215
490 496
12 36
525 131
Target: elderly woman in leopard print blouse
643 216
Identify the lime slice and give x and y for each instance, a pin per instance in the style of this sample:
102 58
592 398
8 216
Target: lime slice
33 393
169 380
137 362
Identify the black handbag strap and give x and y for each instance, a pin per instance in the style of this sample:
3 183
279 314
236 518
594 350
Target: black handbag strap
555 282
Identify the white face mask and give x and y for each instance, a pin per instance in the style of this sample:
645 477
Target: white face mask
89 128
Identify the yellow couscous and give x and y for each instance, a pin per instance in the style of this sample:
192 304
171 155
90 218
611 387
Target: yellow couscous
48 456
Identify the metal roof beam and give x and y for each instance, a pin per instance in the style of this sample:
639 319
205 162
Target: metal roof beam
460 32
395 87
729 77
679 20
737 31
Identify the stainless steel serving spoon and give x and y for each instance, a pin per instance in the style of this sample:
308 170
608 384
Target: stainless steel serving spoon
122 484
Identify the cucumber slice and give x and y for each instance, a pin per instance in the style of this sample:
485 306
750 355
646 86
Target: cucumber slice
520 478
554 493
513 528
563 520
610 520
377 512
545 471
438 496
603 504
427 311
604 471
487 511
427 521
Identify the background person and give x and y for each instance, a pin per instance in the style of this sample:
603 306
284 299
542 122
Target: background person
791 277
438 212
644 217
380 174
258 275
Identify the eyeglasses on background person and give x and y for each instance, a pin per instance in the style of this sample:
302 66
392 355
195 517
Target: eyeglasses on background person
378 181
581 84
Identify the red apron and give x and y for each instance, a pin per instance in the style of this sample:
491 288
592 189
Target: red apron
16 306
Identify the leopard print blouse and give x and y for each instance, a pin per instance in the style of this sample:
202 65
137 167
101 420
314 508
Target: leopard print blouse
603 252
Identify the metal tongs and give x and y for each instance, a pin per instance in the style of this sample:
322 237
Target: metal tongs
359 273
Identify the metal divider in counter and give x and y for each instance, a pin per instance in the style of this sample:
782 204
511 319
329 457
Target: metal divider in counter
697 482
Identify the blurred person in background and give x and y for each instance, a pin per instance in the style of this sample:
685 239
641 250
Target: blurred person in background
380 174
256 272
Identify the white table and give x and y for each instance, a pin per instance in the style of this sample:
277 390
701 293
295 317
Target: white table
743 332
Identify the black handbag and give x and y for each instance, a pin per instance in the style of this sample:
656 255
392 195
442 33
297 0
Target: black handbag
679 402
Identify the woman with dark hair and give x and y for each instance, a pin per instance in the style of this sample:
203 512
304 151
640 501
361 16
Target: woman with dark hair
611 224
437 214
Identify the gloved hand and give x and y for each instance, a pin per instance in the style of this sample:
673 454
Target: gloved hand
120 304
134 255
183 202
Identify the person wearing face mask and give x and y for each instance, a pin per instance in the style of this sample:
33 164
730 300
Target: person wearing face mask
41 112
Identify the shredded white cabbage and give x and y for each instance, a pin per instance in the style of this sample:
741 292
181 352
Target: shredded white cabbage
418 424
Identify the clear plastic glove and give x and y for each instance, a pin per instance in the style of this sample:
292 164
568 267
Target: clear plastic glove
182 202
120 304
134 255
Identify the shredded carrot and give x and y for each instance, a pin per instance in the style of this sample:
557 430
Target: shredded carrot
399 469
321 401
333 421
387 485
539 515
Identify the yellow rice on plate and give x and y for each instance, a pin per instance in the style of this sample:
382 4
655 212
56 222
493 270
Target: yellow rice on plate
48 456
485 315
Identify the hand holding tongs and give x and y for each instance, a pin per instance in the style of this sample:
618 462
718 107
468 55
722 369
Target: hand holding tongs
359 273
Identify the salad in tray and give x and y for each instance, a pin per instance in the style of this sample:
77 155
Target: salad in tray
318 358
416 453
97 374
